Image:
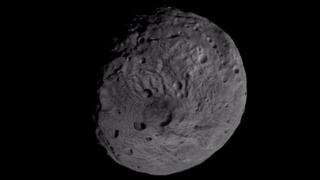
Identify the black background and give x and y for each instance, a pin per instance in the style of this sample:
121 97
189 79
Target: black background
62 80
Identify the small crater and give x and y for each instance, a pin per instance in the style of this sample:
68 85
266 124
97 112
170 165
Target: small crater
128 151
141 40
209 40
236 71
173 36
204 60
167 121
139 126
225 79
224 63
202 127
148 139
177 85
228 121
143 61
147 93
199 107
116 133
111 148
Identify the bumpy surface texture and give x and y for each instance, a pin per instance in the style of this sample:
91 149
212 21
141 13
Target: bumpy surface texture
172 94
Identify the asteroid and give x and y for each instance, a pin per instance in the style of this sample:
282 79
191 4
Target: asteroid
173 91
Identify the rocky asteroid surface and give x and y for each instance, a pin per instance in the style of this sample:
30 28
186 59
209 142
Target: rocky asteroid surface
172 93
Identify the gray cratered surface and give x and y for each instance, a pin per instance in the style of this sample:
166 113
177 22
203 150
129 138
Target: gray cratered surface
172 95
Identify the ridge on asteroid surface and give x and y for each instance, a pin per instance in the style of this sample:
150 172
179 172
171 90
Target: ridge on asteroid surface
172 93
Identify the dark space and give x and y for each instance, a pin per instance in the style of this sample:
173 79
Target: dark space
79 36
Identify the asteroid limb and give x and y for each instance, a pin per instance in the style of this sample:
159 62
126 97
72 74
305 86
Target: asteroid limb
173 91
